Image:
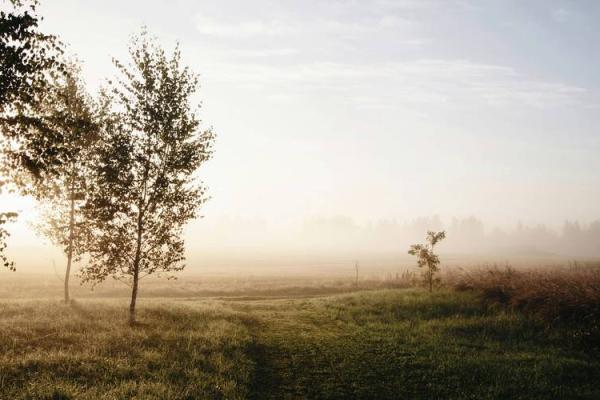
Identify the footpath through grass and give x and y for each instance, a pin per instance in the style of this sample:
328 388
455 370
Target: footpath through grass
386 344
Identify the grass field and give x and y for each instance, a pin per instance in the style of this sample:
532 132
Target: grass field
368 344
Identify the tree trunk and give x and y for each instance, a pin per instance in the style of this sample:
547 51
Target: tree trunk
136 269
71 239
71 233
134 291
430 281
134 285
430 278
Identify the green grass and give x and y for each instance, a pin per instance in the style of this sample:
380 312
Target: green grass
385 344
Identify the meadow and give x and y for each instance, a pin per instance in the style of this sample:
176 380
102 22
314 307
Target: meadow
288 339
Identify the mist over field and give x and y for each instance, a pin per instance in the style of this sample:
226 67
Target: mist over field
331 245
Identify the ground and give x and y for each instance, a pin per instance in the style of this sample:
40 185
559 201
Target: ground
366 344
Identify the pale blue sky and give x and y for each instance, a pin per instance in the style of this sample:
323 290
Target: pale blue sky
378 109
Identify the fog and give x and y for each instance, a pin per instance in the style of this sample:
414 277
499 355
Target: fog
343 236
340 139
332 245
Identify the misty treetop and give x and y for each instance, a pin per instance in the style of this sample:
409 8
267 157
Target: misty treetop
60 187
144 187
49 158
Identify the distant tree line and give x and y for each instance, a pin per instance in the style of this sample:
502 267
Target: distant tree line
465 235
115 173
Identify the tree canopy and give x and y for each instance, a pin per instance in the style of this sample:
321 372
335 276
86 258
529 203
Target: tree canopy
26 55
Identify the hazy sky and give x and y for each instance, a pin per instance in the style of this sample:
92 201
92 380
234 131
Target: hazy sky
378 109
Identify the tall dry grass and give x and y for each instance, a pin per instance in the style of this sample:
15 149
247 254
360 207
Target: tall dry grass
567 295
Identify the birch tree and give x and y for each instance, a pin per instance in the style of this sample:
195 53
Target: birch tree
145 188
66 145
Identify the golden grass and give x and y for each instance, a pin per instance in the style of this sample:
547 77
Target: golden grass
560 295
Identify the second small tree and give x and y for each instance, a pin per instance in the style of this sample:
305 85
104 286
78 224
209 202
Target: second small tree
426 258
49 161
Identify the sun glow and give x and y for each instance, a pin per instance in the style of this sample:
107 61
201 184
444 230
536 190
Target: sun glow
25 246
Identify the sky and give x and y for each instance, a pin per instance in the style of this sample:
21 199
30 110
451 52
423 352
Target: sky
375 109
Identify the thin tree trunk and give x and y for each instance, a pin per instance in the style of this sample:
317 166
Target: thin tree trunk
134 286
430 281
136 269
134 291
71 234
70 250
138 249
